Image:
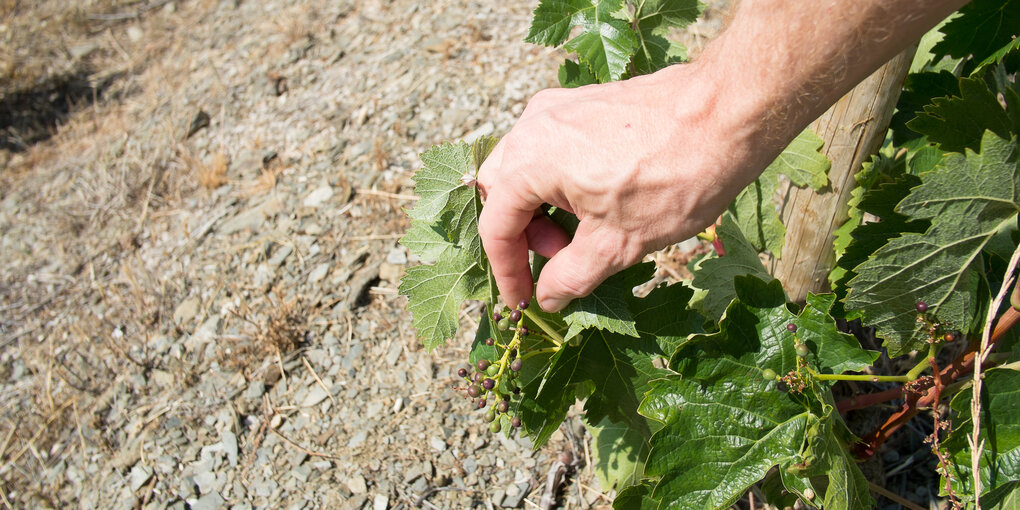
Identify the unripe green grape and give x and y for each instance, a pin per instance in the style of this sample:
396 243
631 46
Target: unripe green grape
503 324
802 350
490 415
495 427
492 370
768 374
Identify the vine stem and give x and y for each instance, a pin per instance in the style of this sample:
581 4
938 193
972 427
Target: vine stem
861 377
976 445
915 401
554 337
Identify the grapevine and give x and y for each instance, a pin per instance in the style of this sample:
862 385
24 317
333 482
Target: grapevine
703 390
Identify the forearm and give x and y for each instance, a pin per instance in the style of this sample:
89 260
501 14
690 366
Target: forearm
781 63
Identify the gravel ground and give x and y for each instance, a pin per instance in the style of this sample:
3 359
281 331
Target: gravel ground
198 267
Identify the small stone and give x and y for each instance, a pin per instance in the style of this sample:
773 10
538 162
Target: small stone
356 484
397 256
140 475
135 34
206 482
318 273
211 501
381 502
437 444
315 395
358 440
255 390
319 196
301 473
229 442
187 310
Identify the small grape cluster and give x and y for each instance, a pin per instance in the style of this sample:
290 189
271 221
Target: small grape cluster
792 381
498 377
937 331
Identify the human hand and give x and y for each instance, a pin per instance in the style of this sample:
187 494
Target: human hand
642 163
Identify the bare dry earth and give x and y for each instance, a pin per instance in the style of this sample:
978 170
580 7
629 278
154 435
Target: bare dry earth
211 320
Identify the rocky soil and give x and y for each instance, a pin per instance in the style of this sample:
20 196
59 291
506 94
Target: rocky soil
200 202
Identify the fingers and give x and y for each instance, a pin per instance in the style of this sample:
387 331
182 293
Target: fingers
545 237
501 225
578 268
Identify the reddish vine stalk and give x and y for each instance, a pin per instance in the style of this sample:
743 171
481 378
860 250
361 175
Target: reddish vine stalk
962 366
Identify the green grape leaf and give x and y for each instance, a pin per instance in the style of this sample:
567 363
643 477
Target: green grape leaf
968 198
606 307
613 371
435 294
662 316
444 200
890 185
636 497
573 75
655 19
983 27
1005 497
959 122
715 275
1000 431
837 351
426 240
918 91
619 453
754 208
618 368
725 425
604 44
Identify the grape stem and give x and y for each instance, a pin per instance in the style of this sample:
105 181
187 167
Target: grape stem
554 337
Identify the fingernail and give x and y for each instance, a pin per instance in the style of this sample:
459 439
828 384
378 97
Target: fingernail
553 305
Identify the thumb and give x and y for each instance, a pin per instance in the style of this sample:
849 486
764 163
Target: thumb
576 270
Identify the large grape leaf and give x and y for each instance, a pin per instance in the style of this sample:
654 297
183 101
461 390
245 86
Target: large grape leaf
444 227
714 276
636 497
655 19
836 351
606 307
444 201
983 27
755 209
620 452
918 91
725 425
1000 431
605 43
959 122
436 292
882 185
573 75
612 370
968 198
426 240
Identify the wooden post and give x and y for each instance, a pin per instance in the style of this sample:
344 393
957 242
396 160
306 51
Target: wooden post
852 129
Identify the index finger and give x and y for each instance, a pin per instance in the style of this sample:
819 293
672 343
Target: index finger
501 225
